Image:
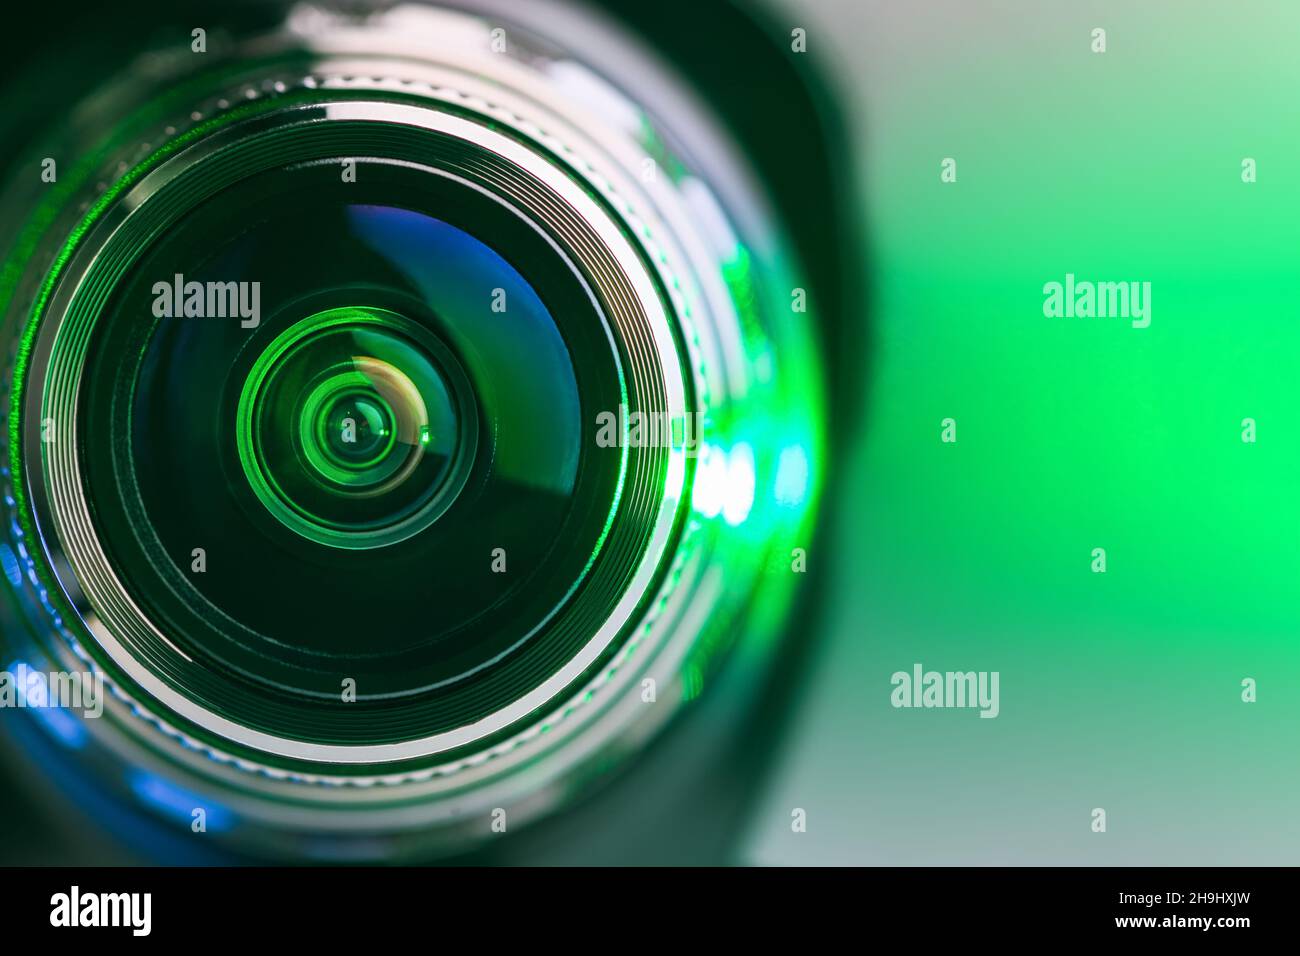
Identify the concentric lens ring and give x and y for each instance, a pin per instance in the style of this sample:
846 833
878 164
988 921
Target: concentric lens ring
651 494
353 425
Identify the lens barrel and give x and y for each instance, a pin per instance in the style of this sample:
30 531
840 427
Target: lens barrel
407 418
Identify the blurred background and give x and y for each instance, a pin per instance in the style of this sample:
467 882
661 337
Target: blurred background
1119 690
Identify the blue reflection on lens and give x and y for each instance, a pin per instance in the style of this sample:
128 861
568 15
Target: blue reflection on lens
511 346
178 803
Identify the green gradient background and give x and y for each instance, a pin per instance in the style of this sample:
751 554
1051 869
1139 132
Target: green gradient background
1118 690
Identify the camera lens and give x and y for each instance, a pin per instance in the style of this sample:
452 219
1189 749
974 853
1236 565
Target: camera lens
403 423
390 408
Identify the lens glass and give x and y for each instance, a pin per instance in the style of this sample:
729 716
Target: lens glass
347 430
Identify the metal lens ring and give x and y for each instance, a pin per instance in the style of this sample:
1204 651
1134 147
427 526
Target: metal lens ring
130 637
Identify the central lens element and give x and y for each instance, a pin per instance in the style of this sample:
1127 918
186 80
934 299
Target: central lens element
356 428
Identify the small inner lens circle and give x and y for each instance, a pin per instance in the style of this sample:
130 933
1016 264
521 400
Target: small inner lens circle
356 428
363 424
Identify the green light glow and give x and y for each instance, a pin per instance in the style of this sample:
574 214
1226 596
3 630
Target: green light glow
758 471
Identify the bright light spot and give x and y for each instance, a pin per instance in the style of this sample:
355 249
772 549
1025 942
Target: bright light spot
792 476
710 481
675 480
581 85
724 483
61 723
739 499
178 803
10 563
